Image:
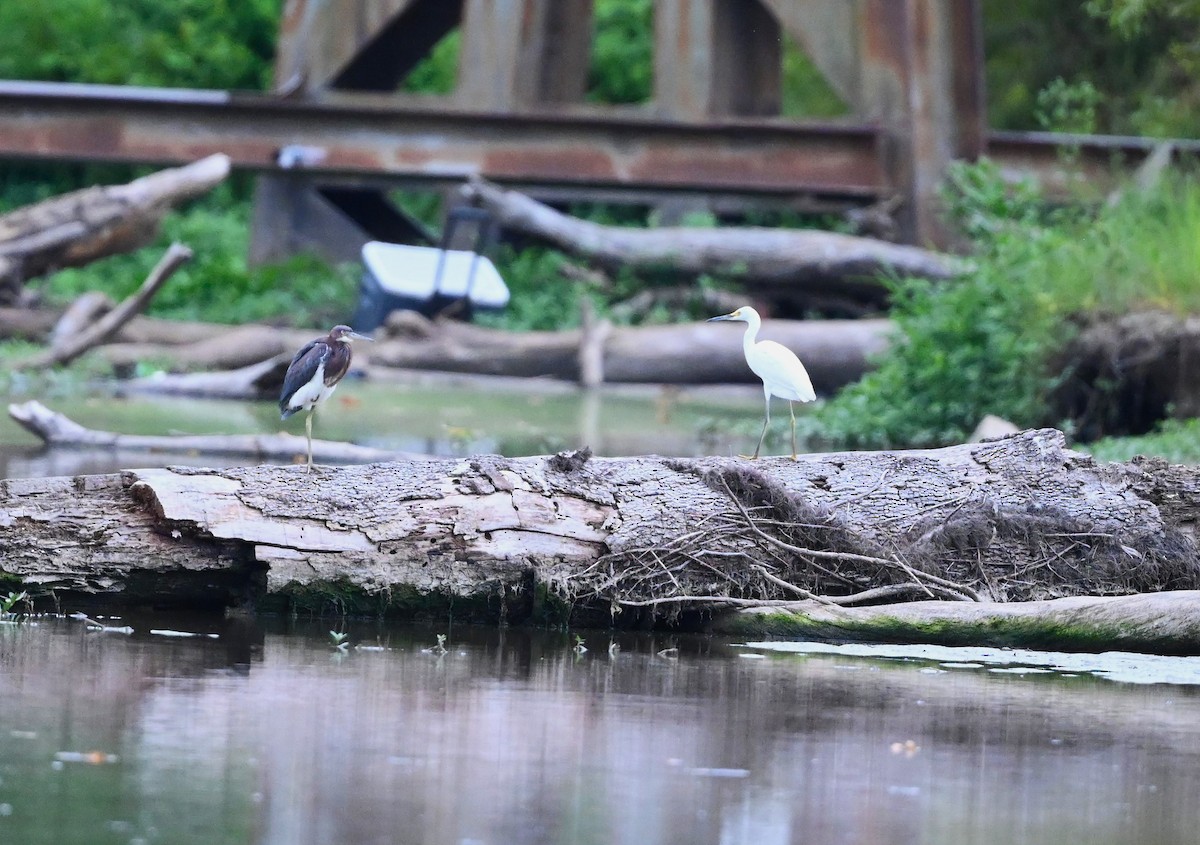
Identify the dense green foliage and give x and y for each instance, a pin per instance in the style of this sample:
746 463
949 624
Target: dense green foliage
1177 441
1118 66
982 344
217 285
183 43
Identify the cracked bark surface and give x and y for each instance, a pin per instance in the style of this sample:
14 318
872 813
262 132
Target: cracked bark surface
489 526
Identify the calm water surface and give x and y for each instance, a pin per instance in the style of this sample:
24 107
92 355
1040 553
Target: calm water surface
436 415
268 734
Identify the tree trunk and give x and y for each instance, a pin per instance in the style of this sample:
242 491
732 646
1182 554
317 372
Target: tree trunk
1016 519
835 352
765 260
1167 622
77 228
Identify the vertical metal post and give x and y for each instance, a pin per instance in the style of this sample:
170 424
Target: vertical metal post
518 54
922 78
716 57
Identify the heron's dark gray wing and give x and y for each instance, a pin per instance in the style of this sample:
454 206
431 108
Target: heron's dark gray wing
301 371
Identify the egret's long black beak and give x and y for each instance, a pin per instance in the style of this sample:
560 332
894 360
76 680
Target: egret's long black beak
718 319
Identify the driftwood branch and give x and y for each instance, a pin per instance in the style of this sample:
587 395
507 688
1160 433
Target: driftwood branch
55 429
98 332
759 257
77 228
255 382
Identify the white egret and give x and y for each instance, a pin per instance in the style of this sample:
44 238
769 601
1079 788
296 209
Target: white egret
780 370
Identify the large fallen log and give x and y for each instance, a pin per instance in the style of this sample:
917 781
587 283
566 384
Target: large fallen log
1021 518
37 324
761 258
77 228
836 352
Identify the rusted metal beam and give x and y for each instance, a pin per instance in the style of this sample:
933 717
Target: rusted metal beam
366 45
720 57
922 69
379 135
380 139
523 53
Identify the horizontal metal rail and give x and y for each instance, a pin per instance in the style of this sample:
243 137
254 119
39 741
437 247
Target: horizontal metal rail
360 134
350 136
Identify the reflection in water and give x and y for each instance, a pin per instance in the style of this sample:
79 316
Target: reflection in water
529 418
511 737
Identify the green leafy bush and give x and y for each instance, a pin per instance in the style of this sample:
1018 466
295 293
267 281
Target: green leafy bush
982 344
184 43
217 285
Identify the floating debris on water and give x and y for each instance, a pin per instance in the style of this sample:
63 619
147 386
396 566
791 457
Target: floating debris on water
166 632
92 758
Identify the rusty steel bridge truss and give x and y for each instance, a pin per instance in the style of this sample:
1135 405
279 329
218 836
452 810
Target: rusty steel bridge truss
334 134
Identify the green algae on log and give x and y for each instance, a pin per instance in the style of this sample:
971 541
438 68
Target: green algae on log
1164 623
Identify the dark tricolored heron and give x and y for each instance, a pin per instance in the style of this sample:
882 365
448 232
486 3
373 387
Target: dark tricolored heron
314 374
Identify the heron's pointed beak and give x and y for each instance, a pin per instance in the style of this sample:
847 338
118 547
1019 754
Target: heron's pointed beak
357 336
719 319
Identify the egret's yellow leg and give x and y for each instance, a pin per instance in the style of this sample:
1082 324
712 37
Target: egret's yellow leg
792 411
766 422
308 431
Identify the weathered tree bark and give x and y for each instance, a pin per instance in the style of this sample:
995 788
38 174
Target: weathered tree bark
38 324
70 348
759 257
85 310
77 228
228 347
54 429
1015 519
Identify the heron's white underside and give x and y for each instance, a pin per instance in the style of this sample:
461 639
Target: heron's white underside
313 393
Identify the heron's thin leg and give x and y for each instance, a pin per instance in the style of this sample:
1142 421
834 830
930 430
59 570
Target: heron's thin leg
792 411
766 422
308 431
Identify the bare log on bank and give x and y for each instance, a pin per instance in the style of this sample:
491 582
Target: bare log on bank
77 228
38 324
836 352
1021 518
759 257
255 382
55 429
70 346
1167 621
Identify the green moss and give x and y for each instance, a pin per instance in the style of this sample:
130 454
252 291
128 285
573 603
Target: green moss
997 633
549 610
342 598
